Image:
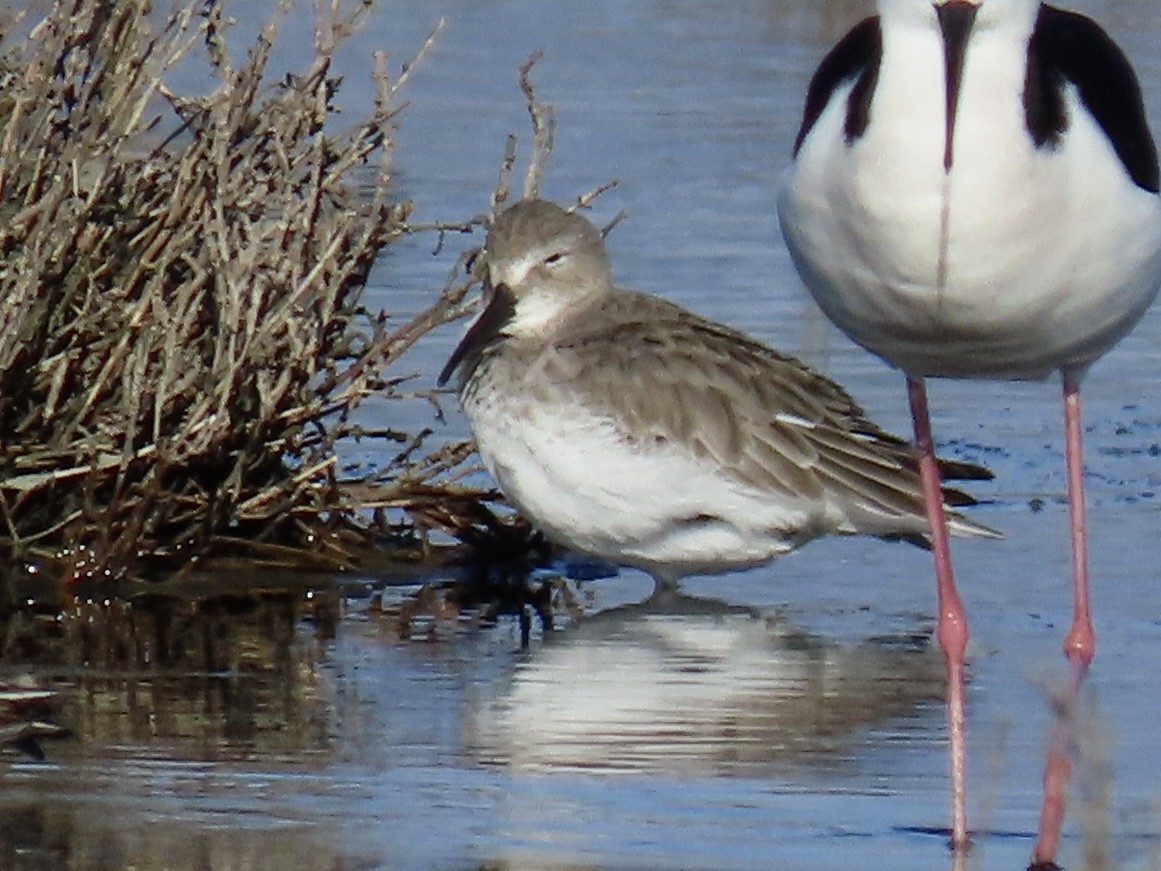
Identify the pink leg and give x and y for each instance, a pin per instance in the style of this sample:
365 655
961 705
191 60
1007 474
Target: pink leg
1079 643
1057 770
951 626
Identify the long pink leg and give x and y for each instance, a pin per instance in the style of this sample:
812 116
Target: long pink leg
1079 643
951 626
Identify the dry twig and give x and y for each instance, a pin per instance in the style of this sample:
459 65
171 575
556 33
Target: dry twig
179 289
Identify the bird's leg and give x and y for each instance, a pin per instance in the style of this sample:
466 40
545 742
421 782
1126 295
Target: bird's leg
951 626
1057 770
1079 642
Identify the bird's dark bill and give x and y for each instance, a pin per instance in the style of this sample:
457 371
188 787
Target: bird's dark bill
499 311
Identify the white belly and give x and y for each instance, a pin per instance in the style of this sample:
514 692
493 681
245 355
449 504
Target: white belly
1018 262
656 507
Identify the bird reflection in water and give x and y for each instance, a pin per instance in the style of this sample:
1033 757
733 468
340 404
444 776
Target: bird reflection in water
688 685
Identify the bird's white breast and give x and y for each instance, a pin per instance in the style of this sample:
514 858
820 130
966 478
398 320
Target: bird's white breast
1018 262
575 475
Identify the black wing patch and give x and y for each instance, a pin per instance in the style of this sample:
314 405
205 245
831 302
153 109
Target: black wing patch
856 55
1069 47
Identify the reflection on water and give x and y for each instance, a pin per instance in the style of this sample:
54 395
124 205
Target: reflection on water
168 701
274 732
690 688
249 731
44 837
209 678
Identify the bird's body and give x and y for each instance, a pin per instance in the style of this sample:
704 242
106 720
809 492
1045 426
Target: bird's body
630 429
1021 259
638 432
975 195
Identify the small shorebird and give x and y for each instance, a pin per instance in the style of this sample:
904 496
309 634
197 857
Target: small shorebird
975 195
630 429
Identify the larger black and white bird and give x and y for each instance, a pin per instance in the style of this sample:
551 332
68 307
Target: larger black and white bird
975 195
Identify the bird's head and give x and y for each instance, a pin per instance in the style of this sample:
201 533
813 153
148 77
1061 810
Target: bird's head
543 259
539 262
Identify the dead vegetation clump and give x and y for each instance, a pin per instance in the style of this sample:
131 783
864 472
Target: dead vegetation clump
181 340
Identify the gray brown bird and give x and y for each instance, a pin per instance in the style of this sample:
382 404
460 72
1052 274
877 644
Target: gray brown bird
630 429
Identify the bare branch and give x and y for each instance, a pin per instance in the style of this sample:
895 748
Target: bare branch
501 191
543 119
585 201
617 218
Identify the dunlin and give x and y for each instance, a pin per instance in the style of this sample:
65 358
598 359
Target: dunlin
630 429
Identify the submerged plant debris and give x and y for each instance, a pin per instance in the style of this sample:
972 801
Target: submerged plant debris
181 336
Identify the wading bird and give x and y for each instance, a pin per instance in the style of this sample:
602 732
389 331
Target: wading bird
974 194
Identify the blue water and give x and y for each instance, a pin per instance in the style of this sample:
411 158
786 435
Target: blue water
705 739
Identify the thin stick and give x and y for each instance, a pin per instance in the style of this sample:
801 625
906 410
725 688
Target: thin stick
543 118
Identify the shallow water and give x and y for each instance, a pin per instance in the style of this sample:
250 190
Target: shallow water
784 717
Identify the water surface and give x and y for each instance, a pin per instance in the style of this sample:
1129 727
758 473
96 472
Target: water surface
785 717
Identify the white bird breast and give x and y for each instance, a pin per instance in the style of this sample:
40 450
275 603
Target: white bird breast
1018 262
578 479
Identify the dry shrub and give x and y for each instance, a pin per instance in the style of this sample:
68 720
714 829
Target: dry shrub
181 342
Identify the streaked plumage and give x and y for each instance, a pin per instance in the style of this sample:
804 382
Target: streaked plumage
631 429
